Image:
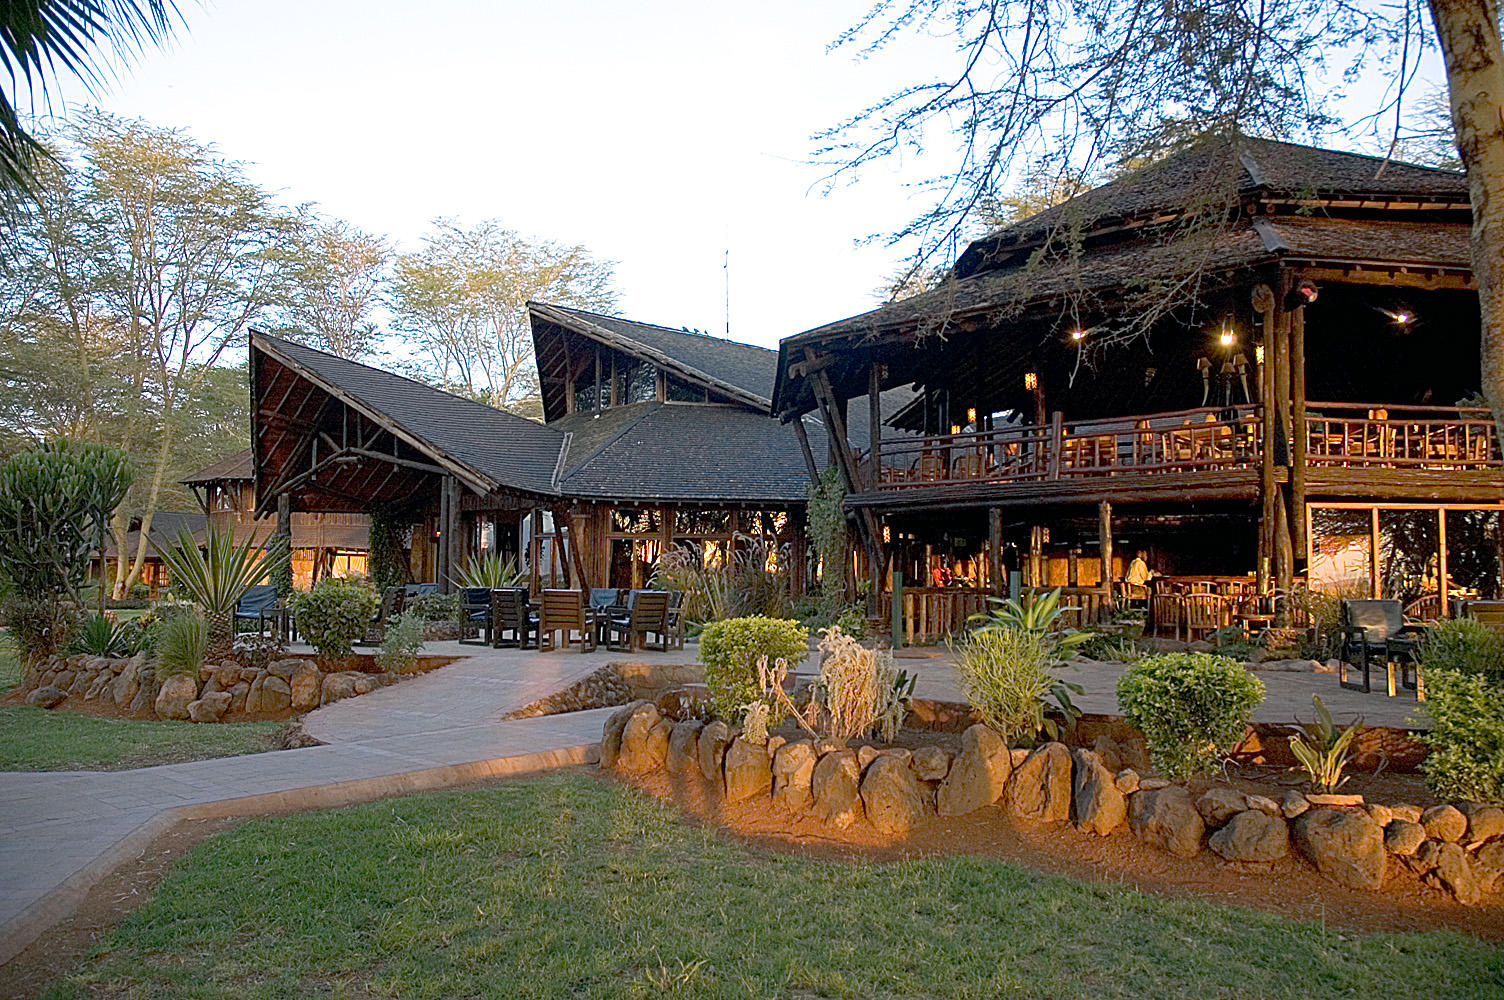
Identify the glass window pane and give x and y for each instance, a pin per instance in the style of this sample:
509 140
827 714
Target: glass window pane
1408 554
585 399
702 522
1473 545
680 391
628 520
1340 549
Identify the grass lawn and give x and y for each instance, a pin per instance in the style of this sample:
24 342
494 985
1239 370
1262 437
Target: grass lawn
35 739
567 886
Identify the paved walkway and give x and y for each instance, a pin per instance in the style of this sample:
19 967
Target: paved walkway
61 831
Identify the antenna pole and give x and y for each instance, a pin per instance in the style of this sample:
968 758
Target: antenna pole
726 269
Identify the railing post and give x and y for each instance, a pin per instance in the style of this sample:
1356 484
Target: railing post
1057 441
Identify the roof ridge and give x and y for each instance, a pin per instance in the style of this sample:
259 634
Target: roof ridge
637 418
682 331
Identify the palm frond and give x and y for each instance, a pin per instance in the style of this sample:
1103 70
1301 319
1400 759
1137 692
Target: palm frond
217 576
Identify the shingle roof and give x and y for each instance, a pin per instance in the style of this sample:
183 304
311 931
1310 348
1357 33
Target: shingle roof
508 450
746 367
685 451
236 466
1214 170
165 525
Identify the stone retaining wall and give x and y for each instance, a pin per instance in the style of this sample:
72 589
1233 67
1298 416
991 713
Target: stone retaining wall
1459 849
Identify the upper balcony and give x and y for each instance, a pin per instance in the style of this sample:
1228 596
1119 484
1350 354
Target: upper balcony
1201 453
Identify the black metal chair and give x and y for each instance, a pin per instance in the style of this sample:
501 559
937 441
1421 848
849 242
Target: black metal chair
475 610
603 599
393 602
1377 628
511 616
254 606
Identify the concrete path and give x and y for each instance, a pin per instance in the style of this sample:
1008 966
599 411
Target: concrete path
62 831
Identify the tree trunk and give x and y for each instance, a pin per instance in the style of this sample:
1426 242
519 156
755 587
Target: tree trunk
1469 35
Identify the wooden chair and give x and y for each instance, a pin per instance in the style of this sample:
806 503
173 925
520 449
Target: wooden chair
648 616
512 621
1204 613
393 603
1426 608
675 621
564 612
1165 612
1377 628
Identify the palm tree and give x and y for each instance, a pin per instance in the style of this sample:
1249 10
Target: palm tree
43 38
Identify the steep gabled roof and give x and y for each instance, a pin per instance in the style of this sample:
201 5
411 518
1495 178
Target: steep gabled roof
1216 170
239 466
505 450
744 372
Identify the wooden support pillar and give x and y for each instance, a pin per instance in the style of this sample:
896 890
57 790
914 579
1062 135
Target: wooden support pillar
1441 561
875 424
1104 544
441 555
1263 303
1282 550
1375 586
1036 556
1073 567
997 578
535 553
1301 429
804 449
570 539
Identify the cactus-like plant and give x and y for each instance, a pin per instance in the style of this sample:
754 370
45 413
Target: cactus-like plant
1324 750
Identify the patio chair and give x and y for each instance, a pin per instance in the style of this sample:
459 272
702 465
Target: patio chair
674 623
475 611
254 606
512 621
602 598
1489 613
648 615
393 602
1204 613
564 612
1377 628
1165 613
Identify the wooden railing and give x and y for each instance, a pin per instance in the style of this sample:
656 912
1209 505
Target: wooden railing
1205 438
931 614
1415 437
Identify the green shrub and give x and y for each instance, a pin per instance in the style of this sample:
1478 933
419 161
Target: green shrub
1005 676
729 650
1110 647
182 640
1465 645
401 644
1191 707
1466 736
334 614
99 636
434 607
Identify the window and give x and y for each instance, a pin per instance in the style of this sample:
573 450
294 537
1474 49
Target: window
585 397
680 391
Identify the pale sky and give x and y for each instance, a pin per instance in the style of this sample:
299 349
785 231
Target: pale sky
657 133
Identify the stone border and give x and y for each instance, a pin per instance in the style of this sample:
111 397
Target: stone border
22 930
1456 848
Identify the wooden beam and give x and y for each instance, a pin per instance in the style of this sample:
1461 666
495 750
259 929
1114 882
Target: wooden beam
1104 544
1302 433
875 422
809 456
1263 303
997 578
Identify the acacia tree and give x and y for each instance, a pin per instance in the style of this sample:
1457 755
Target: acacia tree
463 298
1073 88
335 276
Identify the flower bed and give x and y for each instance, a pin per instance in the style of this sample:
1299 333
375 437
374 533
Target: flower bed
1457 848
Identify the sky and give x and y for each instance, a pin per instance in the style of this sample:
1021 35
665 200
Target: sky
660 134
663 135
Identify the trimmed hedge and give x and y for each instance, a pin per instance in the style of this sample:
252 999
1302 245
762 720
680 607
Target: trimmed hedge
1191 707
334 614
729 650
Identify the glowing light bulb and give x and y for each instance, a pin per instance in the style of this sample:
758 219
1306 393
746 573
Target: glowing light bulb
1258 353
1227 338
1031 380
971 415
1078 334
1402 317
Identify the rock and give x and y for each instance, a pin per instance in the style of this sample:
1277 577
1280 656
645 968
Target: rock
81 681
1381 815
1345 845
748 769
1200 646
1252 835
774 742
1454 873
336 687
1410 814
683 756
977 776
610 747
1444 823
1292 804
1296 666
1040 788
177 691
1403 837
1106 749
47 696
930 763
835 788
123 690
276 696
1426 856
1220 804
644 741
1332 800
238 694
146 695
1135 752
1483 823
1330 666
363 683
210 708
61 679
1017 757
1488 867
1265 804
891 796
1152 784
1096 805
1166 818
864 756
714 739
284 668
793 768
828 744
253 697
303 688
1127 781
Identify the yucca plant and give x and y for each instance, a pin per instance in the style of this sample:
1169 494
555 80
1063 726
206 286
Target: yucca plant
101 637
1038 616
492 572
217 576
1324 750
